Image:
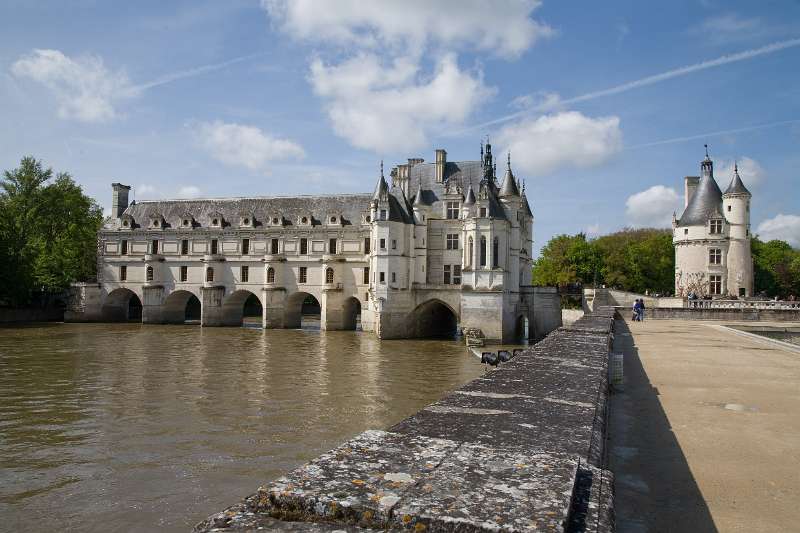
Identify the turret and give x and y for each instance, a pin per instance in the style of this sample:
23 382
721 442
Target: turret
119 199
707 167
736 209
509 187
736 201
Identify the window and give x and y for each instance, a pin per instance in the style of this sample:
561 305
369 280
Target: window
332 246
456 274
447 274
716 226
394 244
124 248
270 275
184 273
209 274
394 277
452 210
154 246
452 241
729 208
302 276
383 215
328 275
483 252
123 273
366 245
365 279
686 231
214 246
471 251
245 246
715 284
215 222
383 277
383 244
148 273
184 247
244 273
155 223
496 253
304 220
274 220
246 222
714 256
333 220
483 212
273 246
303 246
186 222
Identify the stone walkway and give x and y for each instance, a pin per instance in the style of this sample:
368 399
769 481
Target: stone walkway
705 435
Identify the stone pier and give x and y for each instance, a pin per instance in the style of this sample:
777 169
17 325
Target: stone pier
520 449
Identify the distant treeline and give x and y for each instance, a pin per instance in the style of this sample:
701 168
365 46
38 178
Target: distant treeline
640 260
48 233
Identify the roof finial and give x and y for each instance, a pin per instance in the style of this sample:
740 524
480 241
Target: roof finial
509 159
735 167
381 168
706 145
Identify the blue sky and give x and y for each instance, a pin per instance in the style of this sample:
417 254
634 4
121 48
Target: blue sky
604 106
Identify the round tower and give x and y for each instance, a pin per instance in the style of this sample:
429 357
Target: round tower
736 208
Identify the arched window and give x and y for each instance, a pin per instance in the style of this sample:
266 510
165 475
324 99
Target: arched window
209 274
483 252
328 275
471 252
270 275
496 253
149 273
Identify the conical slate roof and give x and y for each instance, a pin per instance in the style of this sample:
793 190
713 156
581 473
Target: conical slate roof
509 185
381 190
418 199
706 201
470 196
736 186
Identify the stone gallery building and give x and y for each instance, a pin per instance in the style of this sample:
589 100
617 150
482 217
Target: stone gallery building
442 245
712 237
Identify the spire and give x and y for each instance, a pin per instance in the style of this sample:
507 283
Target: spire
509 186
382 190
736 186
707 166
418 198
470 200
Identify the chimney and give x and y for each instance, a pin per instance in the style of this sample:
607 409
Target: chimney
441 161
690 185
119 199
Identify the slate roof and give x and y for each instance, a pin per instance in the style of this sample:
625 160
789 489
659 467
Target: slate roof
350 207
705 202
509 186
736 186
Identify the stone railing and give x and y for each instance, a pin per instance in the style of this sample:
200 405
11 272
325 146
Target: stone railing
742 304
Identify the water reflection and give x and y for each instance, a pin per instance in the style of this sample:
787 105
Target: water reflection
127 427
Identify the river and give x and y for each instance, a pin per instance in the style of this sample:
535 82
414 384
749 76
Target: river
125 427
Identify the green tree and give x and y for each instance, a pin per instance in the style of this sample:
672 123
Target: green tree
566 260
776 268
47 234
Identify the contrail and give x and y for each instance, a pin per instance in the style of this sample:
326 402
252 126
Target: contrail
169 78
713 134
650 80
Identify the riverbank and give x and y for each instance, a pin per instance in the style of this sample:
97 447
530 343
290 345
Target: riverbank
705 435
522 447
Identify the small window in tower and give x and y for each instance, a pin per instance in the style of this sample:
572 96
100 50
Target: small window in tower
273 247
729 208
365 279
302 276
303 246
270 275
214 247
154 246
394 277
383 214
209 274
124 248
716 227
366 245
123 273
328 275
483 212
149 273
383 244
686 231
332 246
184 273
245 246
446 280
184 247
394 244
383 277
244 273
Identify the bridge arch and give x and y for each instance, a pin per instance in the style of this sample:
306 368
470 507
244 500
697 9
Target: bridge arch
242 307
302 309
522 328
433 319
122 305
351 313
181 306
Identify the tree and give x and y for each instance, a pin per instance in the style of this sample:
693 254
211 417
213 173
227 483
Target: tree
776 268
566 260
48 233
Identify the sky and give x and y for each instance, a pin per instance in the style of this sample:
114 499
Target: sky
603 106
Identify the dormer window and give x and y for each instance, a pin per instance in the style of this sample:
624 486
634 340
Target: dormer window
368 219
156 221
246 220
127 222
453 210
715 227
333 220
304 220
274 220
217 220
187 221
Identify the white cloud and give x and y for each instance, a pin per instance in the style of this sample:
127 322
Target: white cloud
652 207
84 88
145 191
504 27
392 108
188 191
782 227
751 172
567 139
247 146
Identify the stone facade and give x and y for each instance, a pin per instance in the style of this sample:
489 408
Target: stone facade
443 244
712 237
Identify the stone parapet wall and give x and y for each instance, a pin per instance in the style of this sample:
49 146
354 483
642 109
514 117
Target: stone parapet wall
519 449
774 315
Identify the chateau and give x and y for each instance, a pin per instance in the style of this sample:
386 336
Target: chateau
442 245
712 237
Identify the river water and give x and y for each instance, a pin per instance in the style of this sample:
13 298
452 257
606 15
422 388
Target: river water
125 427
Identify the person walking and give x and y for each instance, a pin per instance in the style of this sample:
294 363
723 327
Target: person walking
641 309
636 305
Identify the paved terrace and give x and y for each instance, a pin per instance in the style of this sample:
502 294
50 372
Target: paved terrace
706 434
520 449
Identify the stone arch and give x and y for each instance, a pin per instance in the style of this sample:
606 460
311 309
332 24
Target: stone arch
122 305
241 307
522 328
302 309
351 314
181 306
433 319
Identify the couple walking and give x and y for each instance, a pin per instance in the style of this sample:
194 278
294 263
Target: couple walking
638 310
